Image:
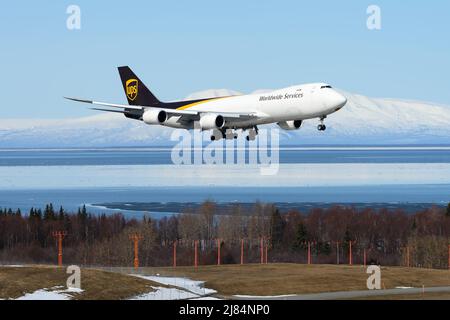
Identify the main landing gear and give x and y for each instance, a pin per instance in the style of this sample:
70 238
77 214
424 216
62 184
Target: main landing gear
252 133
228 134
321 126
231 134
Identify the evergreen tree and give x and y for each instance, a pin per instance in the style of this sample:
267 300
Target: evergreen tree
82 213
67 222
83 216
347 239
49 213
414 224
276 228
38 214
447 213
61 214
301 237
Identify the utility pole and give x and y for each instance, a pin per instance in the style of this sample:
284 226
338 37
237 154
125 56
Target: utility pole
136 238
59 235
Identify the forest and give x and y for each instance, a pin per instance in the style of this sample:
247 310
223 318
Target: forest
386 237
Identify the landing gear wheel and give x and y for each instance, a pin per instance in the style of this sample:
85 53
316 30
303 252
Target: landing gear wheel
321 126
251 134
230 135
217 135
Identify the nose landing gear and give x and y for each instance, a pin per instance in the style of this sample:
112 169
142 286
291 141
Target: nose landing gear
321 126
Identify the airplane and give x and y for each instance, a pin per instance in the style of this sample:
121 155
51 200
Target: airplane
287 107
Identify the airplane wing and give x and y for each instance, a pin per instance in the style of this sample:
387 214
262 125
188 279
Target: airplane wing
186 114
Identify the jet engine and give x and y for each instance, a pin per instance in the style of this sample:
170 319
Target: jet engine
154 116
211 121
290 125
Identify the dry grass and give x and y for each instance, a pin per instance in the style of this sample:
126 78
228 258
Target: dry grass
280 279
97 285
252 279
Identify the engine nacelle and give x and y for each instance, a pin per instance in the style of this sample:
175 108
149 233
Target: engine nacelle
211 121
290 125
154 116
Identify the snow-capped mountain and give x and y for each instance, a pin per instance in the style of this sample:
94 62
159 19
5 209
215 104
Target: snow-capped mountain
362 121
383 121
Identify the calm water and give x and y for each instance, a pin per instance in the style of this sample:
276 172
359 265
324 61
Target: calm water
163 200
152 156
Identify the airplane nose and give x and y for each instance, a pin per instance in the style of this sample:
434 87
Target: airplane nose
339 100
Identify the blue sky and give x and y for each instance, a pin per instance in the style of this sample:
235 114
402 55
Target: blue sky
179 47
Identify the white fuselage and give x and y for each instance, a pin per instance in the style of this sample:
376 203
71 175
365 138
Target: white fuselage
300 102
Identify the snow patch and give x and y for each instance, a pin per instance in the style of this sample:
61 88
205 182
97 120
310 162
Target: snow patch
263 297
12 266
192 286
162 293
46 294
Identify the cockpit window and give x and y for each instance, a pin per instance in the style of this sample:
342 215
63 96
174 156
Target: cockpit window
323 87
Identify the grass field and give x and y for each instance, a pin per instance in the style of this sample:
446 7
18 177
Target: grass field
282 279
16 281
227 280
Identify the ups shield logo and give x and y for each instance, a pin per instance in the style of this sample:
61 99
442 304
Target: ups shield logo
131 86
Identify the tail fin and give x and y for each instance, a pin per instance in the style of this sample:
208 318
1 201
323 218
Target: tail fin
135 90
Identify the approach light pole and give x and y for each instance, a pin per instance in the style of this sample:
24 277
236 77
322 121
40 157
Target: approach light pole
59 235
136 238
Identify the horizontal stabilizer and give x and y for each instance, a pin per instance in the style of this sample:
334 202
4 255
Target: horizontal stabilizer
108 110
